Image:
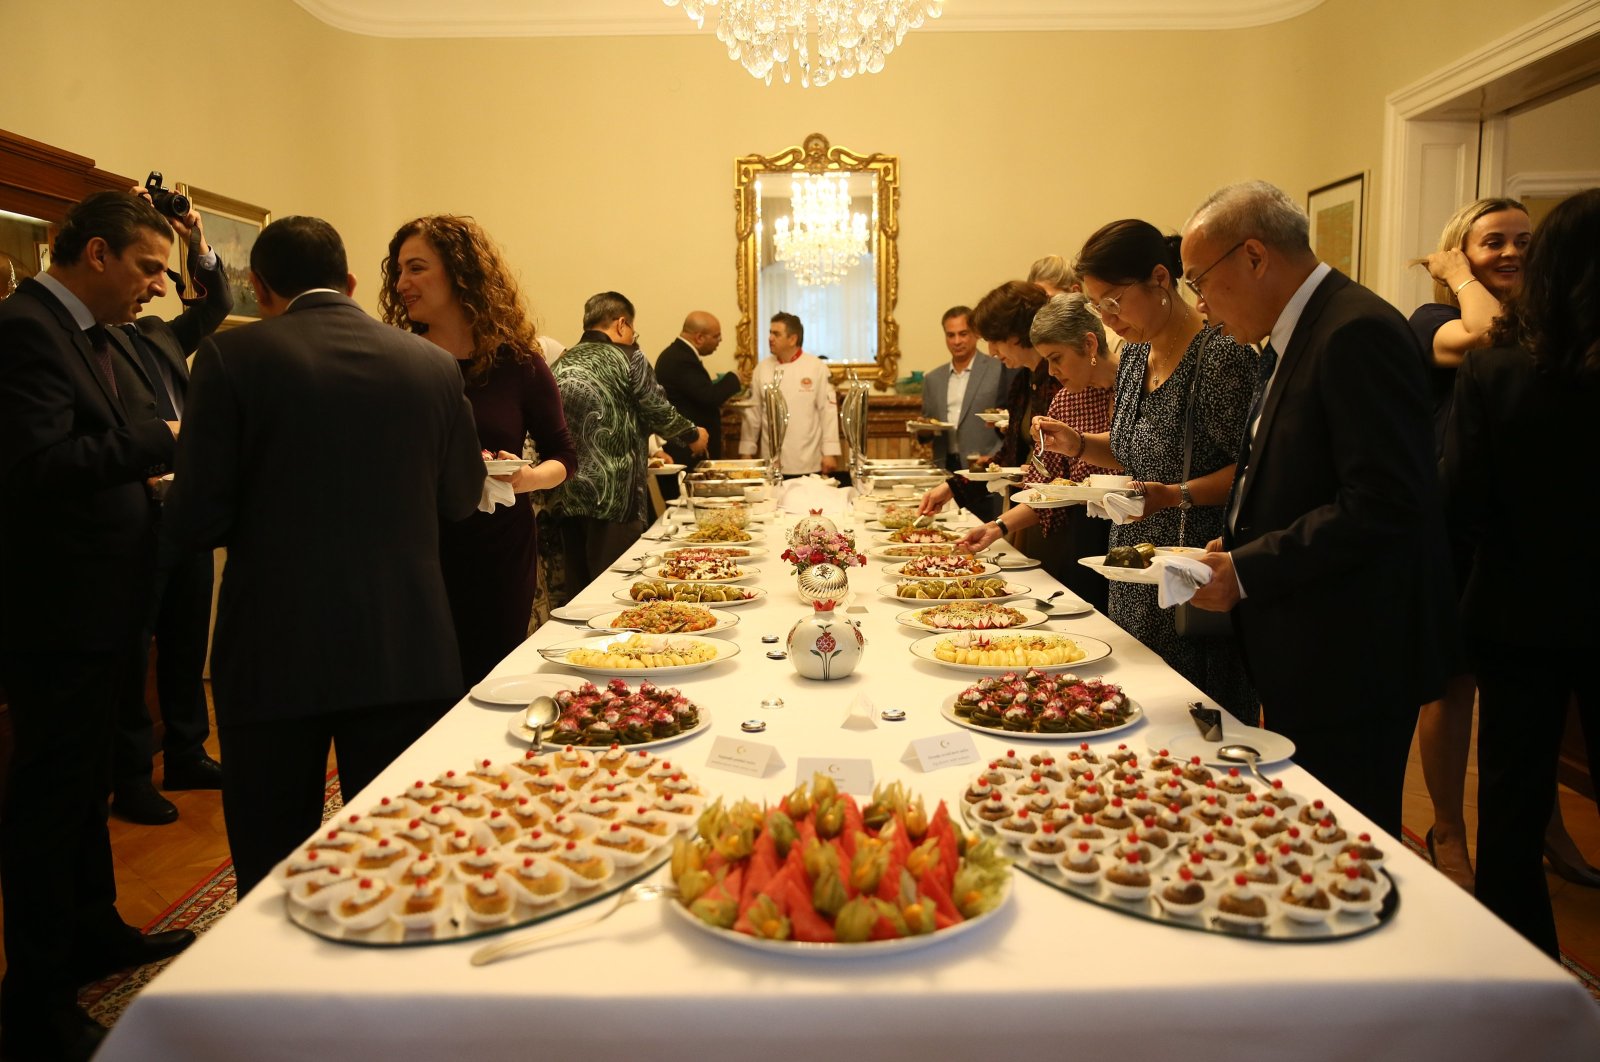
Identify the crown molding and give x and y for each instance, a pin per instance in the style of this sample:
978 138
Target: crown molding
641 18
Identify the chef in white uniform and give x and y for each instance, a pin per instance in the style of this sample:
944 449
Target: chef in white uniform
811 443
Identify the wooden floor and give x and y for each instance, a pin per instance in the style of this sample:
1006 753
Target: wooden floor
157 865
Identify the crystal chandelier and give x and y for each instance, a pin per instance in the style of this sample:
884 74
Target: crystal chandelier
821 239
825 38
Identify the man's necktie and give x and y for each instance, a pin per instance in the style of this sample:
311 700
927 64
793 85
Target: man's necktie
1264 366
158 383
100 354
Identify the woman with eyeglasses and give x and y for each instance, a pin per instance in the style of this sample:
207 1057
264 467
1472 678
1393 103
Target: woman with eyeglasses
1534 392
1175 370
444 278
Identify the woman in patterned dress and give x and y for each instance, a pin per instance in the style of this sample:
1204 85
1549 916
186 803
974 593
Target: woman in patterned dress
445 278
1129 271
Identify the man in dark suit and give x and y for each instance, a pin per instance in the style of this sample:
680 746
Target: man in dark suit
689 386
79 437
179 617
1327 559
321 448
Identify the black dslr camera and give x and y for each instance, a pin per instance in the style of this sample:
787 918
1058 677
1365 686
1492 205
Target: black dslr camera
172 204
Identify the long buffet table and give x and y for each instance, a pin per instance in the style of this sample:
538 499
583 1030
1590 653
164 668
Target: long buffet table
1050 975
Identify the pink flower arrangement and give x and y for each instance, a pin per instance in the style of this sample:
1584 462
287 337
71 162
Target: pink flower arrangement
822 545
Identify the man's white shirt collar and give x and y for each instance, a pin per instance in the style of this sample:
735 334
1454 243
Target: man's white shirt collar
75 306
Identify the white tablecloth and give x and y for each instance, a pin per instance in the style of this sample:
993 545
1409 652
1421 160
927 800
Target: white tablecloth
1052 975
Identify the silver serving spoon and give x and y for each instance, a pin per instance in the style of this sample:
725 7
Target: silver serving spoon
518 945
1038 448
541 712
1246 755
1044 603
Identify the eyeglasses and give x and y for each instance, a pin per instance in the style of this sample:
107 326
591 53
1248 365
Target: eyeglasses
1108 306
1194 285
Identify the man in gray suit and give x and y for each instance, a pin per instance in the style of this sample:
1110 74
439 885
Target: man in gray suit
956 392
321 448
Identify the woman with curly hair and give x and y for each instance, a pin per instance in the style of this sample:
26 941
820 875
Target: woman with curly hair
445 279
1521 424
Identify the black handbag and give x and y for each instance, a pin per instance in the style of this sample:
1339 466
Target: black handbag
1191 622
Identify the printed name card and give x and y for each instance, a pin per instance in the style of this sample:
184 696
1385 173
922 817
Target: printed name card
942 750
743 757
850 775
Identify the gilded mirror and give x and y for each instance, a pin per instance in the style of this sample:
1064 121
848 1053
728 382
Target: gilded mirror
817 228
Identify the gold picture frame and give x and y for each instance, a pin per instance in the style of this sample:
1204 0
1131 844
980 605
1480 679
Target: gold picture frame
816 155
1338 218
231 227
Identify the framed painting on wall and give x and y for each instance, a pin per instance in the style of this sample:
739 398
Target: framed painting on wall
231 227
1337 215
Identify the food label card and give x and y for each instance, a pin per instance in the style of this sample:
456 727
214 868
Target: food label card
743 757
851 776
942 750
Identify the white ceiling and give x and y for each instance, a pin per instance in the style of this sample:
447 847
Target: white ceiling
600 18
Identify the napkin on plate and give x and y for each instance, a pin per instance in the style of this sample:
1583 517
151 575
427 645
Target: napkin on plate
495 492
1180 578
1118 506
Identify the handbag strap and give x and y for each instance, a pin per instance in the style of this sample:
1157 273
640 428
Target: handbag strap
1188 431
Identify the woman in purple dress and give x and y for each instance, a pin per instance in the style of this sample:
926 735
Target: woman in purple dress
444 278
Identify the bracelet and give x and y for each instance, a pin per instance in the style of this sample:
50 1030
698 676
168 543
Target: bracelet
1464 283
1083 444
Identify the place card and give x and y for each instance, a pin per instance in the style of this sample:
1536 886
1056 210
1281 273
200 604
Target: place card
850 775
941 750
859 716
751 758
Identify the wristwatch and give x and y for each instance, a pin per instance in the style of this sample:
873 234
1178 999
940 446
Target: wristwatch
1185 499
1000 522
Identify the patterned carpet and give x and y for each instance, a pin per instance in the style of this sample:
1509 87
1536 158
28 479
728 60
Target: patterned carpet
197 909
213 897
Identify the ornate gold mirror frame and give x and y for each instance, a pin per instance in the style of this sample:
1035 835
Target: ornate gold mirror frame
816 155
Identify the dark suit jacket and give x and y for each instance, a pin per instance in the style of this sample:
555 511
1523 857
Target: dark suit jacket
175 340
77 526
690 389
321 449
1339 540
1518 438
986 389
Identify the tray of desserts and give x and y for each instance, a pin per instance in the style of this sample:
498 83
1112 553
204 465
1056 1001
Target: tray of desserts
1035 706
486 849
989 650
613 717
1176 842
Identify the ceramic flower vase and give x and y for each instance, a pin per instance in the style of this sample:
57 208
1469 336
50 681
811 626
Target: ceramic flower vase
825 646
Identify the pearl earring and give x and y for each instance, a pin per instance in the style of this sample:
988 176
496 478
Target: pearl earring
1163 300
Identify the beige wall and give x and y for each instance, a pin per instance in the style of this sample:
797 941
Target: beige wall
605 163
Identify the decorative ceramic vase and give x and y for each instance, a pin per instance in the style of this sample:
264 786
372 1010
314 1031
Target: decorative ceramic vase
825 646
806 524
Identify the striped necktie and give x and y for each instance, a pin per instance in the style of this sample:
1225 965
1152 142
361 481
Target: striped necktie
100 354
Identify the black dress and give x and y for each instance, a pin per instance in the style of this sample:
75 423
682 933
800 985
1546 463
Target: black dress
490 560
1147 439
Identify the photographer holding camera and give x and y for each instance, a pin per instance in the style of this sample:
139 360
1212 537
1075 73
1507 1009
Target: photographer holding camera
180 606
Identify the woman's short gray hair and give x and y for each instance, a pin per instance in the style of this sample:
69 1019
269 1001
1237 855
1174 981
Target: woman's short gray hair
1065 320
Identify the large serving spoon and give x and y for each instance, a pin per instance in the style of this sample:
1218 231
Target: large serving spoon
1246 755
1038 448
518 945
541 712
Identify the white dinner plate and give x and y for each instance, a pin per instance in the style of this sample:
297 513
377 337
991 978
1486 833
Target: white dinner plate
1034 500
502 466
883 552
1013 591
666 470
578 613
1273 747
516 691
1014 562
1150 576
986 476
879 525
948 710
1093 649
755 594
724 620
752 551
520 732
556 655
756 538
993 418
1031 617
865 950
894 570
744 573
916 425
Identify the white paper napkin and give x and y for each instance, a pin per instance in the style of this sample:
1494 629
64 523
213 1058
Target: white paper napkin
495 492
1119 508
1180 578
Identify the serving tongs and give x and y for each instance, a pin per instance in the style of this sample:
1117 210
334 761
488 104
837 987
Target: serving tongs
504 949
